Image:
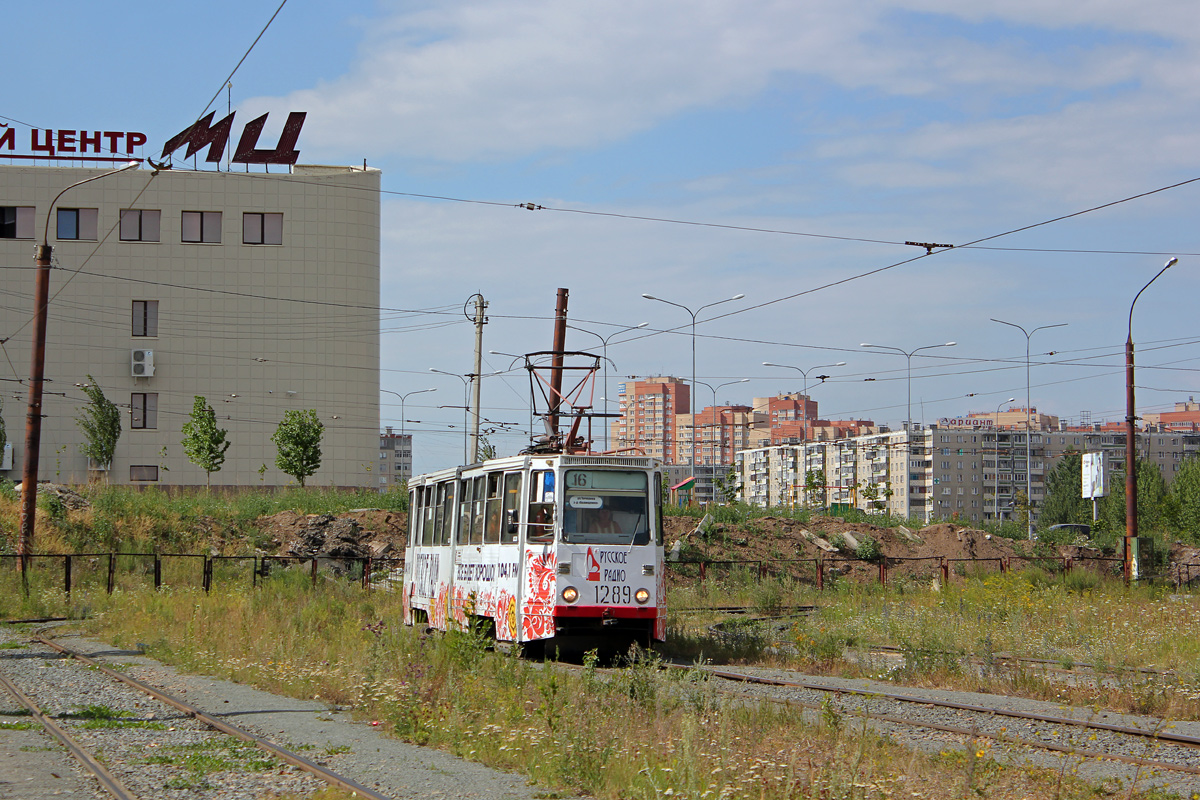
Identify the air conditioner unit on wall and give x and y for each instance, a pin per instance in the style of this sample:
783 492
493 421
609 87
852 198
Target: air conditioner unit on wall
141 363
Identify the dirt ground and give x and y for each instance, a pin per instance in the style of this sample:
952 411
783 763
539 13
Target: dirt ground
915 552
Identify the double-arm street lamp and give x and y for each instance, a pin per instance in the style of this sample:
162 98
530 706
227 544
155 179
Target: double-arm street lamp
604 344
1028 414
37 375
403 397
804 373
1131 526
908 354
693 314
717 417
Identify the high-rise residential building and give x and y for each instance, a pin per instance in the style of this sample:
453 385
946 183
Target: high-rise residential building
648 411
258 291
395 459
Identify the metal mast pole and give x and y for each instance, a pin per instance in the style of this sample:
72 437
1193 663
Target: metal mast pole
476 381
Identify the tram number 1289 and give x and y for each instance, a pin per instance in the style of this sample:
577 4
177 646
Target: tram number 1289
614 595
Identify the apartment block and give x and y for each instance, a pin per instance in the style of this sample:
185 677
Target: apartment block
258 291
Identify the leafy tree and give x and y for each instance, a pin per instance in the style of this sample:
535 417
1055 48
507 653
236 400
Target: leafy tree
3 430
298 439
1065 502
814 484
203 442
1185 496
876 494
487 450
1152 501
100 421
728 486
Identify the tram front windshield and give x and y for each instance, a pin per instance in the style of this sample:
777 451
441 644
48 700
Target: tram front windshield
606 507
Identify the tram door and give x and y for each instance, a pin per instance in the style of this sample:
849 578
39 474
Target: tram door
538 594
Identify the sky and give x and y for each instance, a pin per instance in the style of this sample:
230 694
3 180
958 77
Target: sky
783 150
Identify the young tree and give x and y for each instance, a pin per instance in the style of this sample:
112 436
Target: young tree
1185 496
298 438
100 421
1064 493
203 442
3 429
814 484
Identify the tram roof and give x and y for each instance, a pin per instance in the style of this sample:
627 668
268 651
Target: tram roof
549 460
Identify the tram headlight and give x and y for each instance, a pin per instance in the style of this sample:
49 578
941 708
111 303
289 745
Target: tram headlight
570 594
642 596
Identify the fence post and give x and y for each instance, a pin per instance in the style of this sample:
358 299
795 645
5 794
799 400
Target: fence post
157 572
883 572
206 575
254 573
820 574
945 572
67 575
366 578
1003 565
314 572
762 570
112 572
703 569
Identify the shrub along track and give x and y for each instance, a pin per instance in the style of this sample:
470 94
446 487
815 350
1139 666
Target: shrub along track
144 744
1098 742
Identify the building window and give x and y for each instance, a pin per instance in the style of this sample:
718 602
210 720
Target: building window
140 226
201 227
262 228
145 318
16 222
77 223
143 472
145 410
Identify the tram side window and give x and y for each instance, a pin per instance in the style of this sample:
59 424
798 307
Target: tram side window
464 512
658 505
492 532
448 505
413 516
541 507
477 511
512 508
439 523
427 517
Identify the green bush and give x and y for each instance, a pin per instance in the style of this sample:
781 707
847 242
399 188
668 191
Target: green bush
868 549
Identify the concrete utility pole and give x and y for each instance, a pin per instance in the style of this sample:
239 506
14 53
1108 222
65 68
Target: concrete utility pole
476 379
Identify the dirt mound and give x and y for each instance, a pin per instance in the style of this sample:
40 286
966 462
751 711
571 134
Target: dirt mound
360 533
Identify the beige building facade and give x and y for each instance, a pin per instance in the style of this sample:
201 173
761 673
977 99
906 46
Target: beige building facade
258 291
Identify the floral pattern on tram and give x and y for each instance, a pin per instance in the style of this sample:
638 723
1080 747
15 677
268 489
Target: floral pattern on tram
441 607
505 615
660 621
537 610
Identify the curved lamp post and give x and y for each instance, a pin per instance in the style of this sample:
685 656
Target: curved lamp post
37 375
604 344
1131 526
1028 415
711 388
693 314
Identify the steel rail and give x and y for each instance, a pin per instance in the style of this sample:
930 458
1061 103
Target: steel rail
1047 663
1158 735
106 778
978 734
262 743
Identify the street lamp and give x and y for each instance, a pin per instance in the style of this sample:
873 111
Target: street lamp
604 344
37 375
1029 412
908 354
717 419
1131 526
996 496
467 458
402 399
804 373
693 314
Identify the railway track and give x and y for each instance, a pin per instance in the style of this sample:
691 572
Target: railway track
1104 744
137 740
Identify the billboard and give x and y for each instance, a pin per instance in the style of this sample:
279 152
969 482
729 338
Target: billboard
1095 476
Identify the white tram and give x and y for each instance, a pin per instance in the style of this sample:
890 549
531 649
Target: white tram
549 546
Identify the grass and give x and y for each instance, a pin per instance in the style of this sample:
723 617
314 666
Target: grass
1071 619
636 732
